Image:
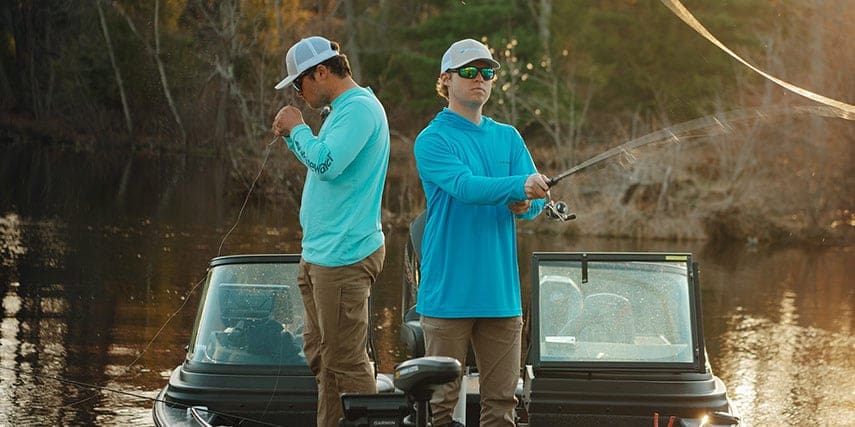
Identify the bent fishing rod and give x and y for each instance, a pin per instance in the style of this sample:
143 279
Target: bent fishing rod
714 124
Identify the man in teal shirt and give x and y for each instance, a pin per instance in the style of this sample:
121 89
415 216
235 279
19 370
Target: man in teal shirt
343 241
478 178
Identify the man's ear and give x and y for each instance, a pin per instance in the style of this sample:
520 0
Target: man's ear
322 71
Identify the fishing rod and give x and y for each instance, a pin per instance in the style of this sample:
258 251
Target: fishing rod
714 124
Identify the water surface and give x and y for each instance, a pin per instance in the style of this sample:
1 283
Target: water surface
100 256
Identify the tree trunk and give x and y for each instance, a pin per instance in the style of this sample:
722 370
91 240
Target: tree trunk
155 54
162 71
116 71
353 52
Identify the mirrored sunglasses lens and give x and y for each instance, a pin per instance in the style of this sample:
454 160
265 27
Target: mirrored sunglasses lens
471 72
468 72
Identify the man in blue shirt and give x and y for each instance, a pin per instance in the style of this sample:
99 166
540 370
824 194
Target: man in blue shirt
343 240
478 178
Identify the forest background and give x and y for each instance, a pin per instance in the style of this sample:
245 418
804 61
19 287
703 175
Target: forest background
196 77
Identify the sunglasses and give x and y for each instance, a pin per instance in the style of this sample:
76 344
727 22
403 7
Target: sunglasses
298 82
471 72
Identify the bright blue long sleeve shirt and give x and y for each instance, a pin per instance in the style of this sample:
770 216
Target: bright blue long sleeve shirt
470 173
347 164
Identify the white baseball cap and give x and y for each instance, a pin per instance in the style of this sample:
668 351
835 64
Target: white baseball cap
305 54
465 51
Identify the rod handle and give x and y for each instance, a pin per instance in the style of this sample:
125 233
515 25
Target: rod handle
551 181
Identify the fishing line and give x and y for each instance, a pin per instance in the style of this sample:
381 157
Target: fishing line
202 280
248 193
186 297
714 124
840 109
831 108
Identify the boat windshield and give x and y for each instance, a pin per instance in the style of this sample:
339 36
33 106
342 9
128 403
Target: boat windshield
614 310
252 313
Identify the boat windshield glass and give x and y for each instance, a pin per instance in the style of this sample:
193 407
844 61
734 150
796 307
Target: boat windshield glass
614 310
252 314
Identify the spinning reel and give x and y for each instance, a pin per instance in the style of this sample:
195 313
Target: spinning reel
557 211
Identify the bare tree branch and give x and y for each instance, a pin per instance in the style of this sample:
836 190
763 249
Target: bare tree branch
116 71
155 54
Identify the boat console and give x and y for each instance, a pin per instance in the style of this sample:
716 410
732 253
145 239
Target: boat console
617 339
245 364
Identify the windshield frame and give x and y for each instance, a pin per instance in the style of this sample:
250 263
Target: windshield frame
267 285
586 263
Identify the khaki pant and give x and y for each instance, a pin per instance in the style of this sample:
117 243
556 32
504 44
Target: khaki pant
336 330
496 342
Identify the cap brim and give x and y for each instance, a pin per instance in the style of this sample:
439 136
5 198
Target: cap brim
285 82
492 62
288 79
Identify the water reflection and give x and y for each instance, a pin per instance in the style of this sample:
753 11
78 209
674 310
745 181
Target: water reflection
32 355
11 247
84 296
787 348
9 346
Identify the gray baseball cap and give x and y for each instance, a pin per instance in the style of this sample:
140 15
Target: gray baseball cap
305 54
465 51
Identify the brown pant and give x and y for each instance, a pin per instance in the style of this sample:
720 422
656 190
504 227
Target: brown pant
496 342
336 330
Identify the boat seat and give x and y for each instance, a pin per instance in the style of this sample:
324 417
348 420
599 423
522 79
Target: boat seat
561 306
413 338
254 343
422 375
411 334
607 317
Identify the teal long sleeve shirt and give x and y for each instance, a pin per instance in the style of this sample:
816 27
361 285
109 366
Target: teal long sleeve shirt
347 164
470 173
